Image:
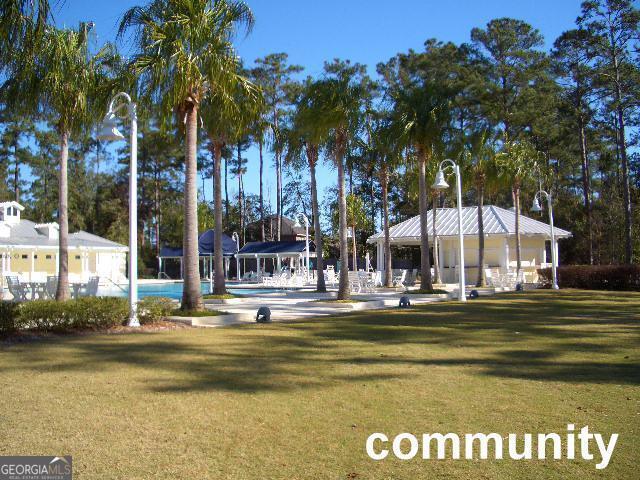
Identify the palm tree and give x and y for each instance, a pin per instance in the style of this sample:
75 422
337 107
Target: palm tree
64 81
422 111
339 99
517 163
226 118
480 160
185 53
22 25
307 135
386 153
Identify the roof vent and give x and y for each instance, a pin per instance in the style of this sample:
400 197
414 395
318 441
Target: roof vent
49 230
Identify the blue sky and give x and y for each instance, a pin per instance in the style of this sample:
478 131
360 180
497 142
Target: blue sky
364 31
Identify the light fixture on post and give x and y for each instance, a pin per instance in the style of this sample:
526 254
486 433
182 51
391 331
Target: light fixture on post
537 208
108 131
236 237
441 184
306 225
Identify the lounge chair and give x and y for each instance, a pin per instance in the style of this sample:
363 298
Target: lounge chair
17 289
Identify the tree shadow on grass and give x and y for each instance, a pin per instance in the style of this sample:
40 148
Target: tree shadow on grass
569 336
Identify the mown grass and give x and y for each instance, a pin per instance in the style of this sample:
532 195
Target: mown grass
298 400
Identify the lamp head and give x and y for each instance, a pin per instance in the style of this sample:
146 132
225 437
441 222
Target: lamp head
109 129
440 183
535 207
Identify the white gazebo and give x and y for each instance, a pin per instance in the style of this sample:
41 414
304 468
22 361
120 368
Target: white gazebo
500 240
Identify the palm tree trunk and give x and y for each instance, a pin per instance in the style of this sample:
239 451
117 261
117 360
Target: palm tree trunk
436 257
343 288
219 281
315 212
516 205
480 281
240 199
62 292
226 192
426 283
156 208
278 197
191 293
354 246
262 237
388 278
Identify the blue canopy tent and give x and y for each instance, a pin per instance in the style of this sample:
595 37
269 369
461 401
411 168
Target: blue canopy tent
205 251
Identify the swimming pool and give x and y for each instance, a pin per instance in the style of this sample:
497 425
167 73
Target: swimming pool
174 290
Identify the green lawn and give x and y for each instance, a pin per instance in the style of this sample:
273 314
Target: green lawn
298 400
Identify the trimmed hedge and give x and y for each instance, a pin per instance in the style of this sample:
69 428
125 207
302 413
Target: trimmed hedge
81 314
154 309
595 277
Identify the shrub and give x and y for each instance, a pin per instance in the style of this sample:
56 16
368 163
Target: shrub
154 309
8 317
595 277
83 313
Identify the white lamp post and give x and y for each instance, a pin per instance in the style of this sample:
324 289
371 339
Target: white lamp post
109 132
537 208
441 184
306 225
236 237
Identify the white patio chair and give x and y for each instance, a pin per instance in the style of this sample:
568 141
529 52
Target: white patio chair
399 279
354 282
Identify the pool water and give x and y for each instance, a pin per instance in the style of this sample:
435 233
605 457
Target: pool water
174 290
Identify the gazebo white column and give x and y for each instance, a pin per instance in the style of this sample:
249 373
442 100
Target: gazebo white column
258 268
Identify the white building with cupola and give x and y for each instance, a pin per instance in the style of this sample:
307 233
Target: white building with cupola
30 250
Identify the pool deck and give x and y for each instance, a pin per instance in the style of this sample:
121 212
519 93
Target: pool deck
296 305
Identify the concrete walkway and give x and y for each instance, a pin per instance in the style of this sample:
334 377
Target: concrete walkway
294 305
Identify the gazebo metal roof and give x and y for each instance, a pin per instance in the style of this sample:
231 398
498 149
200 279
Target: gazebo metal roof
496 220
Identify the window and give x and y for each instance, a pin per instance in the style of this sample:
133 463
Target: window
35 256
77 257
48 257
25 256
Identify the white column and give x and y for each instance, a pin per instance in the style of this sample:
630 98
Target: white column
451 276
33 264
557 256
440 259
504 261
258 269
83 271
